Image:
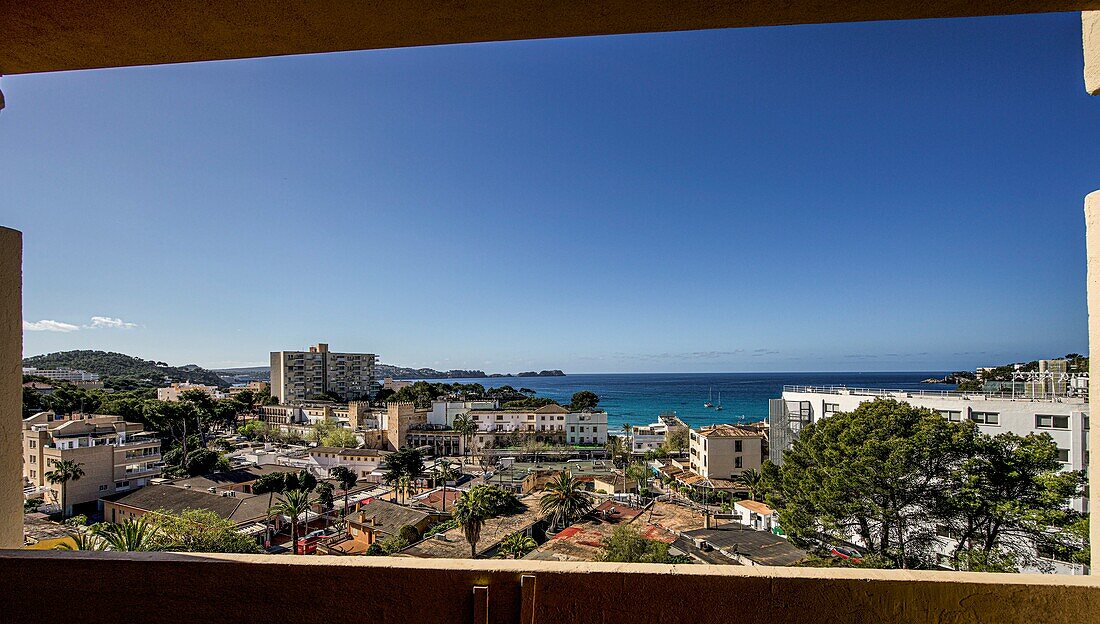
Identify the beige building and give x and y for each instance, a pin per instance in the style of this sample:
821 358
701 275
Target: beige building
115 455
173 392
725 451
303 375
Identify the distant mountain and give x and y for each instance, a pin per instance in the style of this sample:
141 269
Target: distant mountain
401 372
108 364
393 371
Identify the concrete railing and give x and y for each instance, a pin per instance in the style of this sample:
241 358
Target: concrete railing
257 588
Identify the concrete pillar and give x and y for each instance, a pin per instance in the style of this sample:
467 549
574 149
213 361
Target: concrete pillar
1092 255
11 388
1090 39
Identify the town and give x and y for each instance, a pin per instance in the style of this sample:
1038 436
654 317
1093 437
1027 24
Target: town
328 459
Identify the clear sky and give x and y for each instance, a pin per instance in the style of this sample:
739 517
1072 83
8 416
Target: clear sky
880 196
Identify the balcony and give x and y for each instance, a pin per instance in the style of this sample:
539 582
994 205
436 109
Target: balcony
178 588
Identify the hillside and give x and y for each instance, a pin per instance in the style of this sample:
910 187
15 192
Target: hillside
393 371
116 365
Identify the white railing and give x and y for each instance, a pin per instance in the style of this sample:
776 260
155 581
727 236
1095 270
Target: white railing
894 392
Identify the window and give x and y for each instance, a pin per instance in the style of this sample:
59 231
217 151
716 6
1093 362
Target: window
1084 424
986 418
34 459
572 429
103 488
952 415
737 446
1063 455
34 443
738 462
1045 421
831 408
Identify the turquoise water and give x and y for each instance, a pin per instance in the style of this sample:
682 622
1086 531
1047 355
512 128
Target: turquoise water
638 398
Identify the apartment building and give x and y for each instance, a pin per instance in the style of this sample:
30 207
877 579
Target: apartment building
502 427
725 451
71 375
644 438
365 463
115 455
353 414
303 375
1065 419
173 392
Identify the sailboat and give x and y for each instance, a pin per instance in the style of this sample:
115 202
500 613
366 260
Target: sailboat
710 398
718 407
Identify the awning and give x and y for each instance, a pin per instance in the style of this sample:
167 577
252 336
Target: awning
252 529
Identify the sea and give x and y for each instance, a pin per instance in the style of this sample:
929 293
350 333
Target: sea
638 398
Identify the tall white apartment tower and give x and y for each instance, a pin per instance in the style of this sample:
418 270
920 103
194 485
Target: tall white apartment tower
303 375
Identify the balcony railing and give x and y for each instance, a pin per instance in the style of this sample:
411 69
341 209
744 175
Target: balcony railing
892 392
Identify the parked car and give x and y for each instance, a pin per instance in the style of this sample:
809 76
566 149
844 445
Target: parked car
848 554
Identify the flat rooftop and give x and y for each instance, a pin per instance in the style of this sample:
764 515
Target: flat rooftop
761 547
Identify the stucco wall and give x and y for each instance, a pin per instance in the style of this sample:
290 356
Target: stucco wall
1092 246
11 388
1090 36
322 589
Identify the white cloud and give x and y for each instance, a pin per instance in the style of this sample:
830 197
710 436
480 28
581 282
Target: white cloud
97 322
49 326
106 322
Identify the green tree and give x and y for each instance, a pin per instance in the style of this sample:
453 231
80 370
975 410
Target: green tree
409 534
324 495
470 511
584 400
294 504
877 473
565 500
392 544
516 546
198 530
626 545
64 471
341 437
1008 494
347 479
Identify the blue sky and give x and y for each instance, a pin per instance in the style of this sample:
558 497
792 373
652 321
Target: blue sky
878 196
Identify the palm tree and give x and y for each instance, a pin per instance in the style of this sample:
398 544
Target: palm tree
443 472
564 498
347 479
404 487
64 470
293 504
466 427
639 473
470 511
136 534
83 540
516 545
752 480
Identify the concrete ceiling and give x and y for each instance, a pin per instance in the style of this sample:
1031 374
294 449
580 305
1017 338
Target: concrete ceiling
54 35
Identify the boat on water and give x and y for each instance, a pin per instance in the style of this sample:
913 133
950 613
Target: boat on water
710 398
718 407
